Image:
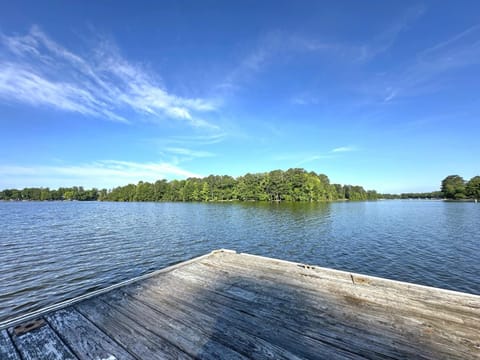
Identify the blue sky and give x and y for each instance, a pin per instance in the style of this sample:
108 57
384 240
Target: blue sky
385 94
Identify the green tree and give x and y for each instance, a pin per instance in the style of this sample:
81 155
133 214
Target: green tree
68 195
160 188
205 192
102 195
453 187
45 194
472 189
144 192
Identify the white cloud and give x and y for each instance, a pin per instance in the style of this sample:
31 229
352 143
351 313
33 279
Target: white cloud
38 71
343 149
100 174
189 152
196 140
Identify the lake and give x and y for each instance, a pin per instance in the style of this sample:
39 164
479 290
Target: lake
52 251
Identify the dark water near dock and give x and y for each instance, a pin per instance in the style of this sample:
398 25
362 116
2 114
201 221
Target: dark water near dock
54 251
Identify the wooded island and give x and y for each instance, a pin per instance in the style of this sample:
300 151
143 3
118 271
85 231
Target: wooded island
277 185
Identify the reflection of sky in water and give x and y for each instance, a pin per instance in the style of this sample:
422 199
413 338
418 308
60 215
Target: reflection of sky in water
53 251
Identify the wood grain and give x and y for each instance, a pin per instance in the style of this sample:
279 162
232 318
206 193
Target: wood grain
42 343
84 338
7 349
129 333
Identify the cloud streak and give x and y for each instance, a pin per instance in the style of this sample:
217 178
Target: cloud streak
36 70
280 44
312 158
189 152
425 74
343 149
101 174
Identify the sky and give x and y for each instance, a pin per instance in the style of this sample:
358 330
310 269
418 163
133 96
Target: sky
384 94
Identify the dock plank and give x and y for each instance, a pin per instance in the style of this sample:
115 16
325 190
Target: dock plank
324 329
260 318
409 330
129 333
281 332
42 343
460 316
7 349
221 329
329 278
409 326
190 340
281 338
84 338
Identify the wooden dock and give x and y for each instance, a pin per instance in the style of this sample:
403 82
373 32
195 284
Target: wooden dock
226 305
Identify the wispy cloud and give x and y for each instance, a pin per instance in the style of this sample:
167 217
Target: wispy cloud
301 158
189 152
334 153
102 174
196 140
387 38
36 70
270 47
305 98
343 149
281 44
312 158
426 73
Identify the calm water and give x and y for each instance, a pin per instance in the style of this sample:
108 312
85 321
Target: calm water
53 251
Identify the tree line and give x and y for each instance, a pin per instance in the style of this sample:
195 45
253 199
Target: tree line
433 195
278 185
453 187
46 194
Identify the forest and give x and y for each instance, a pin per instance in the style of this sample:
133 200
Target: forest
277 185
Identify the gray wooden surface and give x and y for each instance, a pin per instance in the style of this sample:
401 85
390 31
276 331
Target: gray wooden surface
238 306
7 349
42 343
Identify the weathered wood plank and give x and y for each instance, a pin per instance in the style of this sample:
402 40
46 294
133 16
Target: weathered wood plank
445 310
290 313
291 338
407 290
413 333
368 294
190 340
42 343
263 318
220 329
362 299
129 333
84 338
7 349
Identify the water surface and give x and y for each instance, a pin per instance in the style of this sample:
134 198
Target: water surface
52 251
